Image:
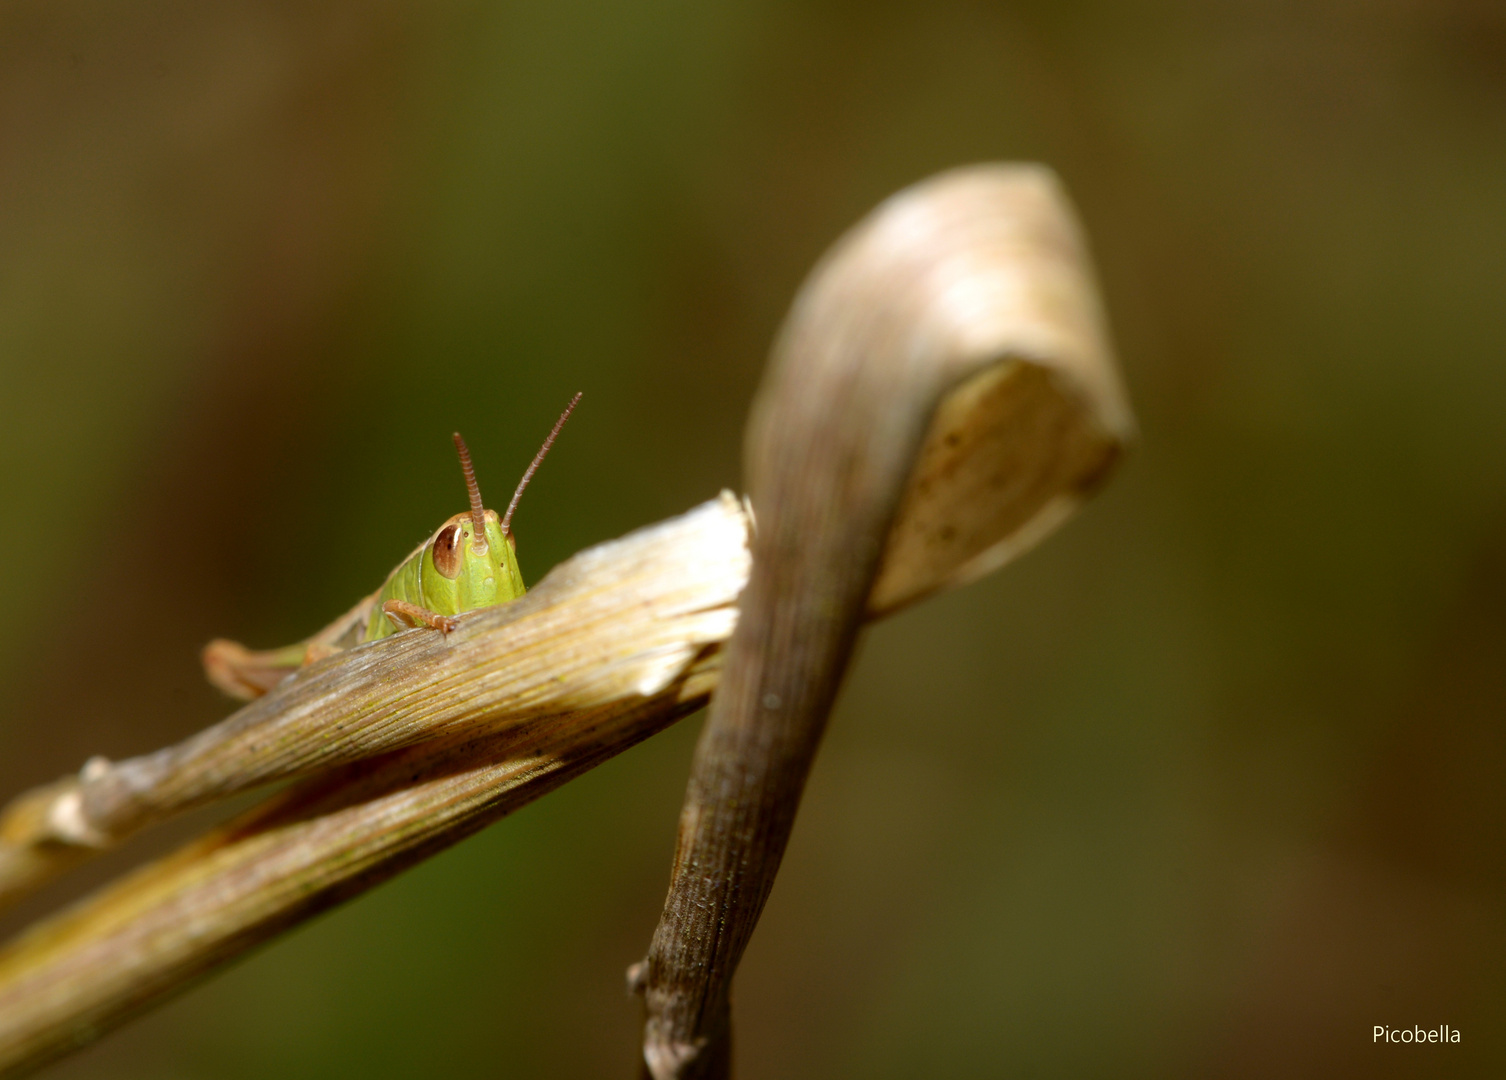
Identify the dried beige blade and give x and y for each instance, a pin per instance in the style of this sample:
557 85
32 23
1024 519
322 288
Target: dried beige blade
1010 453
940 395
148 935
619 621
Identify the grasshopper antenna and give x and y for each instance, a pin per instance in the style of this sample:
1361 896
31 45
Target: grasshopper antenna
478 513
538 459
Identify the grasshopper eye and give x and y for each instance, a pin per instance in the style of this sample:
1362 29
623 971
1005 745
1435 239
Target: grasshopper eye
447 558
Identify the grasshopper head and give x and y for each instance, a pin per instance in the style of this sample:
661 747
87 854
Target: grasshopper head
477 568
471 562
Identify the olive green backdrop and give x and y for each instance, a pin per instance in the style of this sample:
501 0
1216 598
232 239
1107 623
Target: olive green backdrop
1209 785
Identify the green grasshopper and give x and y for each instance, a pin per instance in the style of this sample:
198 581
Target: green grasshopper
470 562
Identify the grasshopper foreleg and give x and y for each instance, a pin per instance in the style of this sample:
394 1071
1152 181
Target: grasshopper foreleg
405 615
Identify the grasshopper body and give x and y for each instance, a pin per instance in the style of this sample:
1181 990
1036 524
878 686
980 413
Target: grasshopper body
470 562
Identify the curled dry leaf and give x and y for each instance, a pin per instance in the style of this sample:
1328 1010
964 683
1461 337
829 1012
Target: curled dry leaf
1013 450
941 396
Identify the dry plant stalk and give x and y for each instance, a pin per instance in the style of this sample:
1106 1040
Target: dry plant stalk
942 396
610 647
617 622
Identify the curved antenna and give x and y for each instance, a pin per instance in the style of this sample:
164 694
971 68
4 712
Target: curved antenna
478 513
537 461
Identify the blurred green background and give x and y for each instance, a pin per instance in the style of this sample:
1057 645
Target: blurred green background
1209 785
